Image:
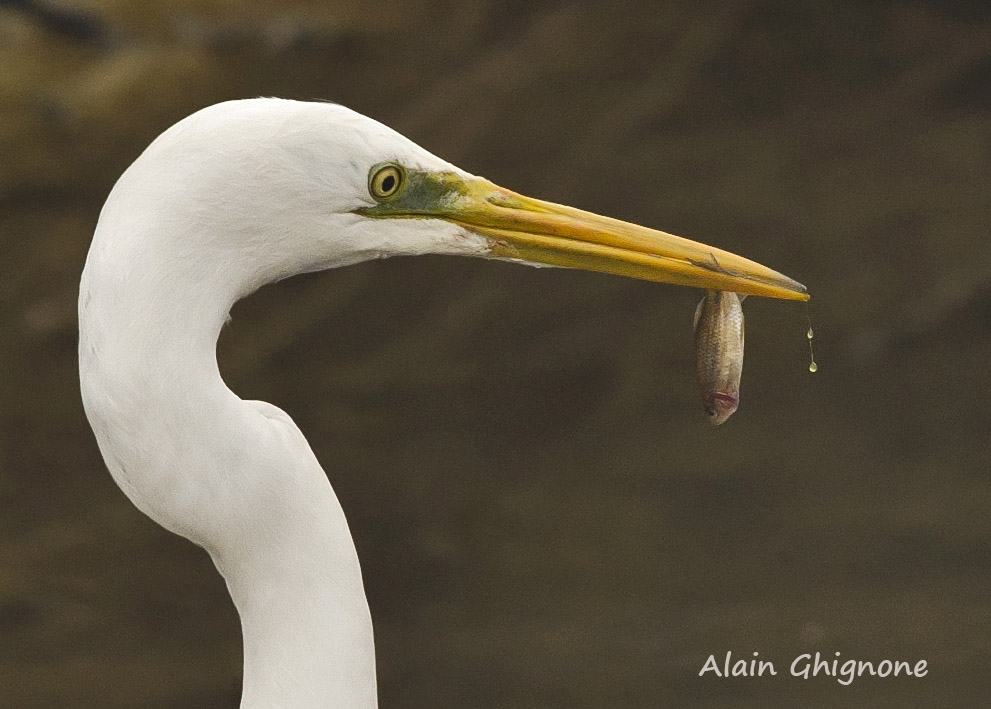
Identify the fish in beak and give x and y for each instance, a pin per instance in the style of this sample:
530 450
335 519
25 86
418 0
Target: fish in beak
719 335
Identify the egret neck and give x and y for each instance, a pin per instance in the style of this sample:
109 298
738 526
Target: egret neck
236 477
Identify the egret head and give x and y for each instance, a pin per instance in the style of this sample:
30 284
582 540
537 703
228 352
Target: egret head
265 188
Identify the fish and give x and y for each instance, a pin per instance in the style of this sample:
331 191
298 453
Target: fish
719 353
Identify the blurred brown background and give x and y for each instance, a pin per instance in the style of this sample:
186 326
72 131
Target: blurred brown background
544 516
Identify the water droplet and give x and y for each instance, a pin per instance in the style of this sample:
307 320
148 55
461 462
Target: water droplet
813 367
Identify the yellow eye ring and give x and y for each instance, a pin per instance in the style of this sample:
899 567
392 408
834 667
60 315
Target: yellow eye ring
385 181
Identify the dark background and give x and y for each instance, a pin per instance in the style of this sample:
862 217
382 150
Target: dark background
544 516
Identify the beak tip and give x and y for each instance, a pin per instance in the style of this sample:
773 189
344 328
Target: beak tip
800 291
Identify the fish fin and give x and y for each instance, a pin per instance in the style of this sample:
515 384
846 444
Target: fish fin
698 313
710 263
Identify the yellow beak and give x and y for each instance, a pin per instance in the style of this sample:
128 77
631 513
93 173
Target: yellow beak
533 231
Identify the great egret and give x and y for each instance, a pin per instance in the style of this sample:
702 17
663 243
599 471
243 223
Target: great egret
248 192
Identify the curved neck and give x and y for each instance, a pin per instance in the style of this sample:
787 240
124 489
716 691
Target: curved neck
304 619
235 477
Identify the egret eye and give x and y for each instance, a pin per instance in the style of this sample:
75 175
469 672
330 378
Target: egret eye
384 181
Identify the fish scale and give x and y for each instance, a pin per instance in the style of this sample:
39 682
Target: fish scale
719 334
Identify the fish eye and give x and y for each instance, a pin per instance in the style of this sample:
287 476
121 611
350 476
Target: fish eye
386 180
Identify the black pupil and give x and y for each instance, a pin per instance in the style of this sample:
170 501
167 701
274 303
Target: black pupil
388 183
